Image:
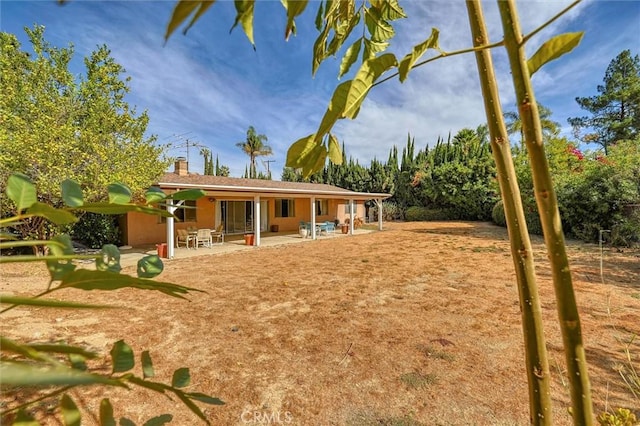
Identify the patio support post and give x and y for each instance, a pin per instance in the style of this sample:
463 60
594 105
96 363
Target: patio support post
352 216
379 204
256 220
171 208
313 218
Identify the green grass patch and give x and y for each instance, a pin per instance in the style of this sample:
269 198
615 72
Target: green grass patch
435 353
415 380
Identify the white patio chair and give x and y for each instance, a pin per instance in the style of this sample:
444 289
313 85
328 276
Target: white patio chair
203 238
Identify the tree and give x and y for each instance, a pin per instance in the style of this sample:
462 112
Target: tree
549 127
56 127
254 146
615 111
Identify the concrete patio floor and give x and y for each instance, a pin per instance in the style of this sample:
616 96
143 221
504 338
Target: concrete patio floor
130 257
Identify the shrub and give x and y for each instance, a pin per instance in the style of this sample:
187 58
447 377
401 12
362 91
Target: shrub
417 214
95 230
497 214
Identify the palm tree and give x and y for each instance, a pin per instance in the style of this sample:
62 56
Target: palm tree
254 147
549 127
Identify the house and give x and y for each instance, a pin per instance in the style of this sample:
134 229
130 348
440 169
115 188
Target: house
235 202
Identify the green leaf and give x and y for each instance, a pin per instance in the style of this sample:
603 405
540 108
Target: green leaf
119 193
70 412
184 9
187 194
21 191
72 193
315 161
391 10
154 195
147 365
319 16
368 73
181 378
78 362
335 152
126 422
57 216
244 15
84 279
63 349
350 57
294 8
106 413
160 420
307 154
108 208
59 269
24 419
58 304
418 50
121 357
150 266
379 29
109 259
203 7
23 374
371 48
335 110
204 398
553 49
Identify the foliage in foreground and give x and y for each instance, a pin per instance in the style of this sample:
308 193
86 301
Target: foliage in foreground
50 371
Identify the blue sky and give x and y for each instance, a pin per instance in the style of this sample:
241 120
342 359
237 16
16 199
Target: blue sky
210 86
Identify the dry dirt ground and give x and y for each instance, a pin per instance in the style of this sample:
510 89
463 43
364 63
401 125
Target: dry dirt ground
416 325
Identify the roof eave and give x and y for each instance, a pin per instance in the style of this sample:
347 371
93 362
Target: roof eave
252 189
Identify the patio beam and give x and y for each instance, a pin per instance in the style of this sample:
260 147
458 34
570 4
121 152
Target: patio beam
379 204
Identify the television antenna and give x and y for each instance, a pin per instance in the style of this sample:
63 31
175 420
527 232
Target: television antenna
187 143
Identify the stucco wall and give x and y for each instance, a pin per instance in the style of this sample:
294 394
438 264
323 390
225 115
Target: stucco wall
141 229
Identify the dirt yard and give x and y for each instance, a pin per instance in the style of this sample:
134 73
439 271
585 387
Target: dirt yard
415 325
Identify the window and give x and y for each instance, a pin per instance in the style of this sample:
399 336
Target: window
322 207
285 207
183 214
347 211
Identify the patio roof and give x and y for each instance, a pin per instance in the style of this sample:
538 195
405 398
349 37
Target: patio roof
251 187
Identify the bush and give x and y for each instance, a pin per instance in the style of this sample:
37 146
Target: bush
497 214
96 230
422 214
530 215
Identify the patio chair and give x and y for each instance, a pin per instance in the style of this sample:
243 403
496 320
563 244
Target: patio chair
203 238
330 227
183 237
218 234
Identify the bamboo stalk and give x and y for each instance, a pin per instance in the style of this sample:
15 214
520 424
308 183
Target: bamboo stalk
582 410
536 360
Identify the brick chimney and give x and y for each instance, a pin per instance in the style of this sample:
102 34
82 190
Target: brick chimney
181 166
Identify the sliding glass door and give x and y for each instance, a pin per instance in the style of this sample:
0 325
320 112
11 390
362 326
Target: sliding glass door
237 216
